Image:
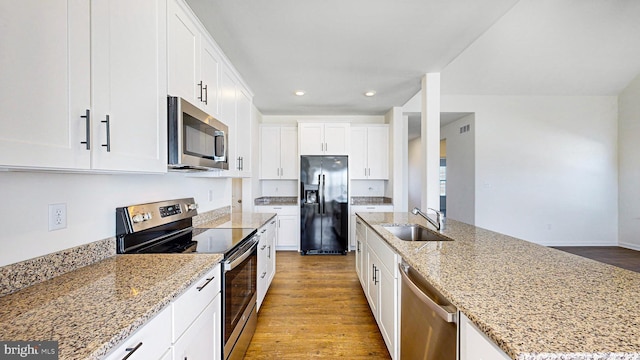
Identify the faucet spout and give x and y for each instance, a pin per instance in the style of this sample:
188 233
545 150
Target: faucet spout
438 223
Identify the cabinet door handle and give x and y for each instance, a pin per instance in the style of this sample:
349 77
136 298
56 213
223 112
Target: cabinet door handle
132 350
358 247
269 252
87 118
107 122
205 284
241 163
206 95
201 88
375 274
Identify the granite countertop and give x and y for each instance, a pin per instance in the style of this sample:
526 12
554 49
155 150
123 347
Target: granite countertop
534 302
277 200
239 220
371 200
90 310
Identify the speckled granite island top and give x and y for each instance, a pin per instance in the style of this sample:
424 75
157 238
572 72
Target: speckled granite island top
534 302
90 310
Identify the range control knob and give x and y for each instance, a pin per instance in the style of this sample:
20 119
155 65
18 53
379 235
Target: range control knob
192 206
137 218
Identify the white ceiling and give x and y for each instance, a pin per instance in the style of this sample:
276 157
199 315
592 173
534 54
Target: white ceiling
336 50
552 47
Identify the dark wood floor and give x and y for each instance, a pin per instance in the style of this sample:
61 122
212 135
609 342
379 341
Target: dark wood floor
316 308
613 255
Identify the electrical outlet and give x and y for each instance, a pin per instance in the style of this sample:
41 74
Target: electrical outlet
57 216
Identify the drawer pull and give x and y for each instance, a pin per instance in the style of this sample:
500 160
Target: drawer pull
273 222
263 231
263 247
205 284
263 275
132 350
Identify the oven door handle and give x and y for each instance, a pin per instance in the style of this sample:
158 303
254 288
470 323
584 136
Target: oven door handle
234 261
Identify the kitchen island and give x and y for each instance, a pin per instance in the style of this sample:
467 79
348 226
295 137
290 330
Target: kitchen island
534 302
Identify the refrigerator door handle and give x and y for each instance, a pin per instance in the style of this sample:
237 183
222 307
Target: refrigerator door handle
320 194
323 207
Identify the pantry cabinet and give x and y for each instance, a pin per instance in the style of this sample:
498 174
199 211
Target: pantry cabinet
323 138
90 97
194 63
369 152
278 152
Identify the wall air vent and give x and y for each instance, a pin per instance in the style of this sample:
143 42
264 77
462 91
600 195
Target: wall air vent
465 129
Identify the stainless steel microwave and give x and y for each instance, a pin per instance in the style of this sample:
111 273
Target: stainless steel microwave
197 141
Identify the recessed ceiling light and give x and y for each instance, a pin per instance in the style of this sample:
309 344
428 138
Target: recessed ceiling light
299 93
370 93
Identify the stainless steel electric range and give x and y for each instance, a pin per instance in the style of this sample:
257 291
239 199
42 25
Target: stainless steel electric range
166 227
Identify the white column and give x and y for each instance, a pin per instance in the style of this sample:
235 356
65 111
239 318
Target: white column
430 134
399 159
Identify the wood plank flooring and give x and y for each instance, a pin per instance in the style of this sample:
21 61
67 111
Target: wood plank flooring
612 255
316 308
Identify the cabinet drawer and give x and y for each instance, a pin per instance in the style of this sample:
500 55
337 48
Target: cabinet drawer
387 256
194 300
278 209
152 340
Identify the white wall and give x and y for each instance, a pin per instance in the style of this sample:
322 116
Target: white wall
546 167
414 180
629 165
91 202
293 119
460 169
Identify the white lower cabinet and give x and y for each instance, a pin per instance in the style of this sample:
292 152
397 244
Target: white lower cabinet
203 338
378 267
288 226
266 259
362 209
189 328
152 341
474 345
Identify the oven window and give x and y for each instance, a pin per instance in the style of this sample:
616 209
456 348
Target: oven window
240 287
199 138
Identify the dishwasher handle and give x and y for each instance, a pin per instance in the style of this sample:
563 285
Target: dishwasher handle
441 311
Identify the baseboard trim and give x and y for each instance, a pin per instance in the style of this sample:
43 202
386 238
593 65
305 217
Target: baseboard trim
630 246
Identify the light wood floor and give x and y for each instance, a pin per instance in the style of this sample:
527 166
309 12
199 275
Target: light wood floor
316 308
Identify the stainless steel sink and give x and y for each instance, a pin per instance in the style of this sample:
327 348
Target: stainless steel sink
414 232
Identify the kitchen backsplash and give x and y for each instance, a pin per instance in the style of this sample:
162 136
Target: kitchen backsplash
16 276
22 274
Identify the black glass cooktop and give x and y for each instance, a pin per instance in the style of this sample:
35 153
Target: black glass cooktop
202 240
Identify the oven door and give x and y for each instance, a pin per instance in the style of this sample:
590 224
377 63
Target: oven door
240 299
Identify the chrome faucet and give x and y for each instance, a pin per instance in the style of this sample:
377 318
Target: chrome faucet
439 223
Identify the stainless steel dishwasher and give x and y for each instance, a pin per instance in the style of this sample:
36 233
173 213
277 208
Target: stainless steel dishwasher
428 321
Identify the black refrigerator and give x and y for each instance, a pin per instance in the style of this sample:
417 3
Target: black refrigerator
324 205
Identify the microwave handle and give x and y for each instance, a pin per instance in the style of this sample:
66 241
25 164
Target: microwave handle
224 146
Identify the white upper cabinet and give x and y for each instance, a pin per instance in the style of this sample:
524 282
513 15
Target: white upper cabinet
278 152
45 77
369 152
89 85
242 135
194 63
324 138
129 98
